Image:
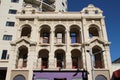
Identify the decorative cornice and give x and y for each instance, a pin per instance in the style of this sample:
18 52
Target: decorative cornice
25 39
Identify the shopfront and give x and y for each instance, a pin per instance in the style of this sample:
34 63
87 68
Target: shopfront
60 75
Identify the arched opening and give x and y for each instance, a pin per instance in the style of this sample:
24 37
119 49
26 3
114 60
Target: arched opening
75 34
76 59
45 34
43 57
19 77
93 31
60 34
26 31
22 57
60 58
98 57
100 77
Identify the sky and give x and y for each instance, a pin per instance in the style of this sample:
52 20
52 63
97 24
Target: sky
111 11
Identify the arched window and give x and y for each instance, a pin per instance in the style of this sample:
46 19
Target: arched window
76 59
45 34
93 31
75 34
43 57
100 77
22 57
60 34
19 77
98 57
26 31
60 58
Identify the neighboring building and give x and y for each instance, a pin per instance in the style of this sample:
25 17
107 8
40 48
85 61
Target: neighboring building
116 69
44 45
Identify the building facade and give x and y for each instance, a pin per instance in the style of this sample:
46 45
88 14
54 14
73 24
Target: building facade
54 45
116 69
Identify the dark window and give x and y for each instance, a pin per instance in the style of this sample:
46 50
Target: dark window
86 12
9 23
4 54
96 12
63 4
3 74
19 77
60 79
44 62
73 37
11 11
100 77
15 1
7 37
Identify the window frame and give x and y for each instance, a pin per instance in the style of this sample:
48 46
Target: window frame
12 11
10 24
4 55
7 37
15 1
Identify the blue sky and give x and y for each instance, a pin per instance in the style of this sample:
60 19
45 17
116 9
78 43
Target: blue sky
111 9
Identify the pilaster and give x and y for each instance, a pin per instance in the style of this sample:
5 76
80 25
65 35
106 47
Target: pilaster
68 54
51 54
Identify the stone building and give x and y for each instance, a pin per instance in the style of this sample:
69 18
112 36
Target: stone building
56 46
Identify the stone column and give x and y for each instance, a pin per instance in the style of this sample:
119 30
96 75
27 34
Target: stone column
68 54
103 31
85 30
51 54
108 59
31 59
39 63
20 63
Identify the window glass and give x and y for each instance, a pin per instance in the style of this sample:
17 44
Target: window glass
73 37
7 37
11 11
9 23
77 79
16 1
59 37
4 54
19 77
100 77
45 37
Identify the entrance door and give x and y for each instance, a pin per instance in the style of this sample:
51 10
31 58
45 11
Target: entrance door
60 79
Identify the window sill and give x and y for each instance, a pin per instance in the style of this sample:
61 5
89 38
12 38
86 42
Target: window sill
44 44
3 61
75 44
60 44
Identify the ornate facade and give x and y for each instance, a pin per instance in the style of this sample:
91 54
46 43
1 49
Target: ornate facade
54 46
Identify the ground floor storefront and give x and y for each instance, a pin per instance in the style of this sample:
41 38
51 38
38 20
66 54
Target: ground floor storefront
60 75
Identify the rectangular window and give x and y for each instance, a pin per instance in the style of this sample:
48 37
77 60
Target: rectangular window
12 11
73 37
7 37
59 37
9 23
15 1
4 54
